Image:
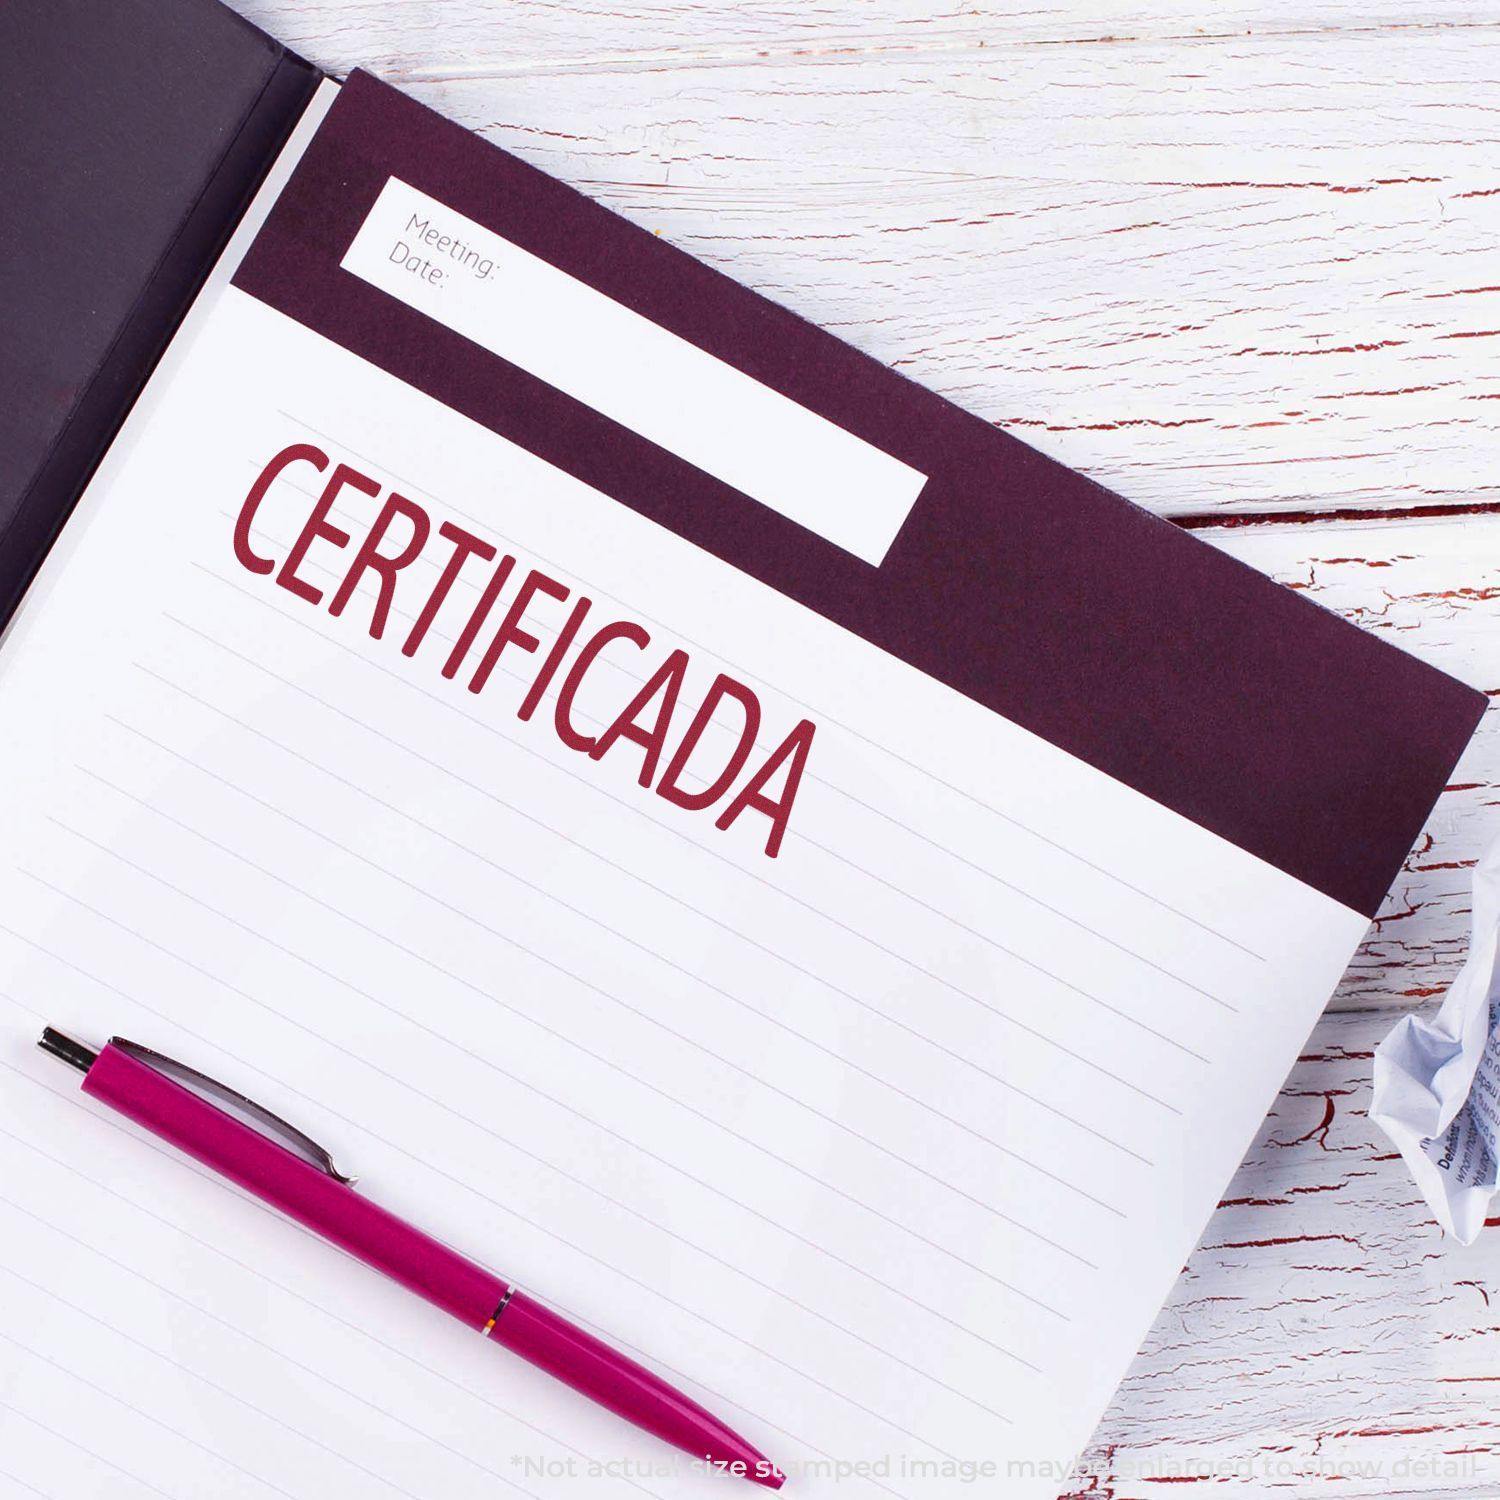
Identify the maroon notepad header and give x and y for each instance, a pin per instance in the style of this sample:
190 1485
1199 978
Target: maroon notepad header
1028 588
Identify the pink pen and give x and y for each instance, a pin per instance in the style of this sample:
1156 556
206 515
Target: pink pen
304 1184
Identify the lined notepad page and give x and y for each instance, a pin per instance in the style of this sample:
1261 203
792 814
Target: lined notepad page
886 1149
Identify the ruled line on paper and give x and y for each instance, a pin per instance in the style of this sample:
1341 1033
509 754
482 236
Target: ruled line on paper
544 891
384 1413
490 1405
435 1167
873 942
243 1197
624 1207
16 1479
212 1385
780 1024
590 1187
757 678
70 1441
458 978
145 1416
280 745
636 810
487 995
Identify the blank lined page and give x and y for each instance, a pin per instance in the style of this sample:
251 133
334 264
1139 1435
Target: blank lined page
885 1146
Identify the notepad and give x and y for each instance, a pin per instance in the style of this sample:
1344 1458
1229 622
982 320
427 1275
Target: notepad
799 881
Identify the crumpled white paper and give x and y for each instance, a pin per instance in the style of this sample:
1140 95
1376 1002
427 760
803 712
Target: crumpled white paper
1437 1081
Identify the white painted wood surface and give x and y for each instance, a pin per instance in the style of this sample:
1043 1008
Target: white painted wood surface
1242 263
1322 1339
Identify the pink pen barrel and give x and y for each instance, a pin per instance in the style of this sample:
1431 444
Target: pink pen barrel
300 1190
603 1374
328 1206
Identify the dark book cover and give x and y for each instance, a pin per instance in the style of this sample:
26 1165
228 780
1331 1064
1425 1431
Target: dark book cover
132 134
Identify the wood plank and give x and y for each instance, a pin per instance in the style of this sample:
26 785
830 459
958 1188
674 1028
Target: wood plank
1253 273
1323 1335
451 38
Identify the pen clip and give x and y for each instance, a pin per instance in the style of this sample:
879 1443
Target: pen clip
295 1140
